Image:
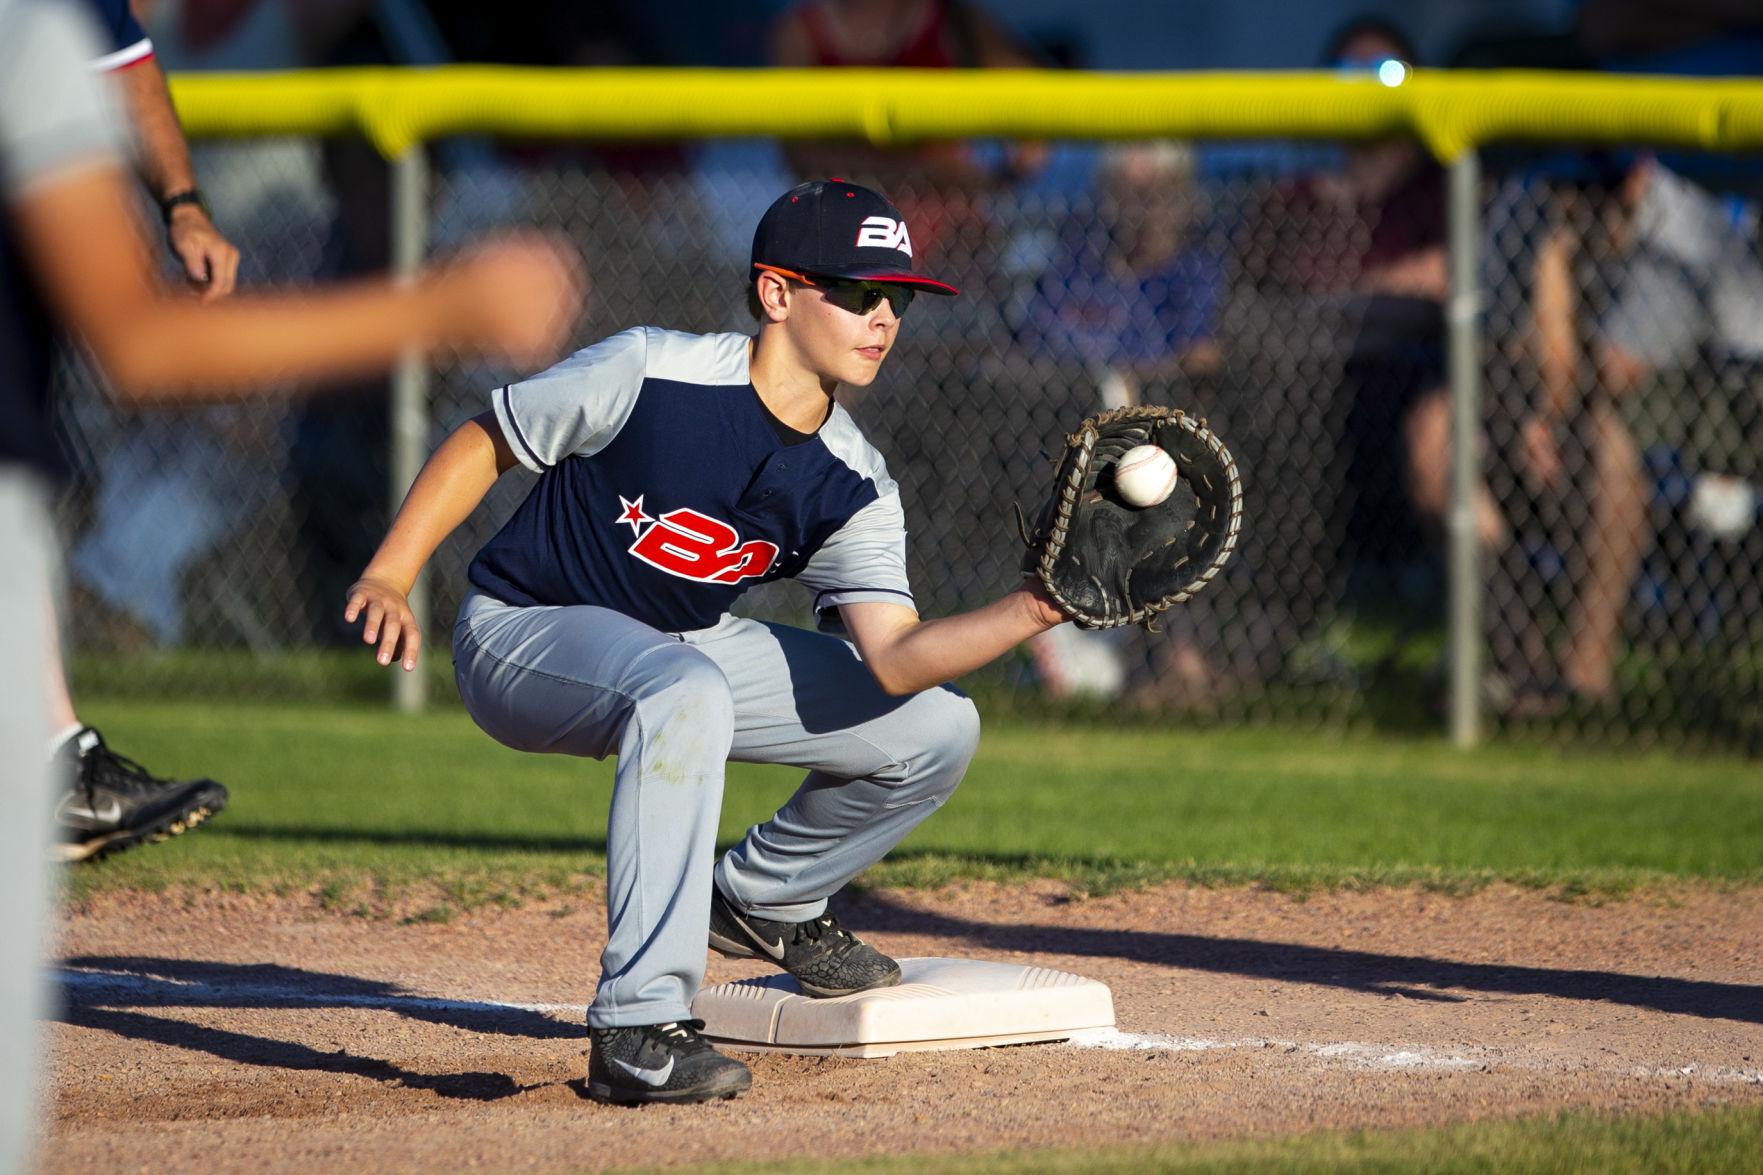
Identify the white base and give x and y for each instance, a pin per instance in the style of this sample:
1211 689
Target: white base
939 1004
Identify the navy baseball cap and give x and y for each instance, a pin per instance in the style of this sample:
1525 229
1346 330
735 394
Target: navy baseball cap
831 228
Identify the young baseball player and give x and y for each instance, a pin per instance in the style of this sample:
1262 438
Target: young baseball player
675 471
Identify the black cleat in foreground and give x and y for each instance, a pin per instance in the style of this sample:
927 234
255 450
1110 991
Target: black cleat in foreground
826 959
114 802
660 1063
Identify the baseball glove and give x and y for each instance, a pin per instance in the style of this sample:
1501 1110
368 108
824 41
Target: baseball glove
1108 564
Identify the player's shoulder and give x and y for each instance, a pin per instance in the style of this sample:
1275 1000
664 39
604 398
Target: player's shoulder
125 41
846 442
634 356
685 357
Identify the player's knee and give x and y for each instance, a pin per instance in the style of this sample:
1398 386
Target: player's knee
950 730
684 692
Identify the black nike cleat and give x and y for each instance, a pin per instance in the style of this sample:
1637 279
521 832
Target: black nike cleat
660 1063
114 803
826 959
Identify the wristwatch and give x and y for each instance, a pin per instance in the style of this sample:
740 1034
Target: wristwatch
169 204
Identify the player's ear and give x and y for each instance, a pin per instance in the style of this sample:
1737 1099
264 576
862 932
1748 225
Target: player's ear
773 295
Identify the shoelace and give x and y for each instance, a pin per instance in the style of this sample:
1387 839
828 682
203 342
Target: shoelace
117 772
817 928
682 1034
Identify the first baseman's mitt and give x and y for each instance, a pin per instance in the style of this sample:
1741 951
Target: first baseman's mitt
1106 563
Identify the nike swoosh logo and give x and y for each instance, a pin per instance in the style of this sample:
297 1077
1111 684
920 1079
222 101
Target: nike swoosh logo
775 950
109 813
653 1078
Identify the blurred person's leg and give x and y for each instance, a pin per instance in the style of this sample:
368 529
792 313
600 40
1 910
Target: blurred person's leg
104 801
1427 434
24 834
64 719
164 502
1519 572
1613 548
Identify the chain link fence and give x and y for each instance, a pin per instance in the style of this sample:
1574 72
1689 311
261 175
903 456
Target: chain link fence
1292 295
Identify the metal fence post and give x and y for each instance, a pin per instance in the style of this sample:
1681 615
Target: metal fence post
1463 217
410 389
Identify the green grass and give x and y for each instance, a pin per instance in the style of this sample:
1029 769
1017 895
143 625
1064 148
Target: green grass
358 803
1705 1142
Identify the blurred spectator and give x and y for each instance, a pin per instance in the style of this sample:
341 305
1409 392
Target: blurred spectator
1129 303
1646 303
1691 288
941 187
1340 411
1133 294
1371 238
1697 38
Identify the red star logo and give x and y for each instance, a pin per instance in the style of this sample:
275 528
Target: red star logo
633 513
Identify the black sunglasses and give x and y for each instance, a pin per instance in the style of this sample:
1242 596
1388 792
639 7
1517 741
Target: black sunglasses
853 294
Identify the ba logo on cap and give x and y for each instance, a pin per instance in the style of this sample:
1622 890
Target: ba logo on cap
885 233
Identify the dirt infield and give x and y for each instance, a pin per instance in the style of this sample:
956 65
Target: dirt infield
262 1034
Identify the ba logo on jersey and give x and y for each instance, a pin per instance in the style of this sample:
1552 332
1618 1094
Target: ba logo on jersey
884 232
696 546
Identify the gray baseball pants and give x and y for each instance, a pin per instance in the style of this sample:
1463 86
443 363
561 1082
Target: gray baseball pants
675 708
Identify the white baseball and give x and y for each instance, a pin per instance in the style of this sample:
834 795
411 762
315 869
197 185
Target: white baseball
1144 476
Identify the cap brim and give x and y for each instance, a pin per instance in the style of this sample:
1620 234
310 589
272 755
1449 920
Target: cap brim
892 276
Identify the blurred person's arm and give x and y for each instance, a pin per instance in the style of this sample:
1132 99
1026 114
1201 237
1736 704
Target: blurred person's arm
1620 371
452 483
1557 351
210 261
1192 361
1425 273
1200 357
514 299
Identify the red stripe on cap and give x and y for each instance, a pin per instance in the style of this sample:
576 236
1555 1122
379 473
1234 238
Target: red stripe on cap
907 279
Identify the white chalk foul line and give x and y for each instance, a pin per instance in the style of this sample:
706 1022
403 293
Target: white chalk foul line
1371 1056
1718 1073
1413 1058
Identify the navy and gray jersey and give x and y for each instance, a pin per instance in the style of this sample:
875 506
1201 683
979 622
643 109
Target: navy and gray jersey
125 42
666 489
55 119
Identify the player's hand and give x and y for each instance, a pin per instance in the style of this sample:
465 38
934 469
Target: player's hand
390 622
516 297
211 263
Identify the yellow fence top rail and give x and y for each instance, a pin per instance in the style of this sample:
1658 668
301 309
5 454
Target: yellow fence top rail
1450 111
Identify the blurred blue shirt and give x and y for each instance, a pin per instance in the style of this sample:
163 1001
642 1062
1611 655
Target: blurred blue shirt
1090 309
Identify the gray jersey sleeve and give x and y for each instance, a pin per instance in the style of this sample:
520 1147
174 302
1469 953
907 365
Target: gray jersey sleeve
865 559
1658 312
1692 278
54 112
575 408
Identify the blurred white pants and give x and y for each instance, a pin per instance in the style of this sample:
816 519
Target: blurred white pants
25 618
